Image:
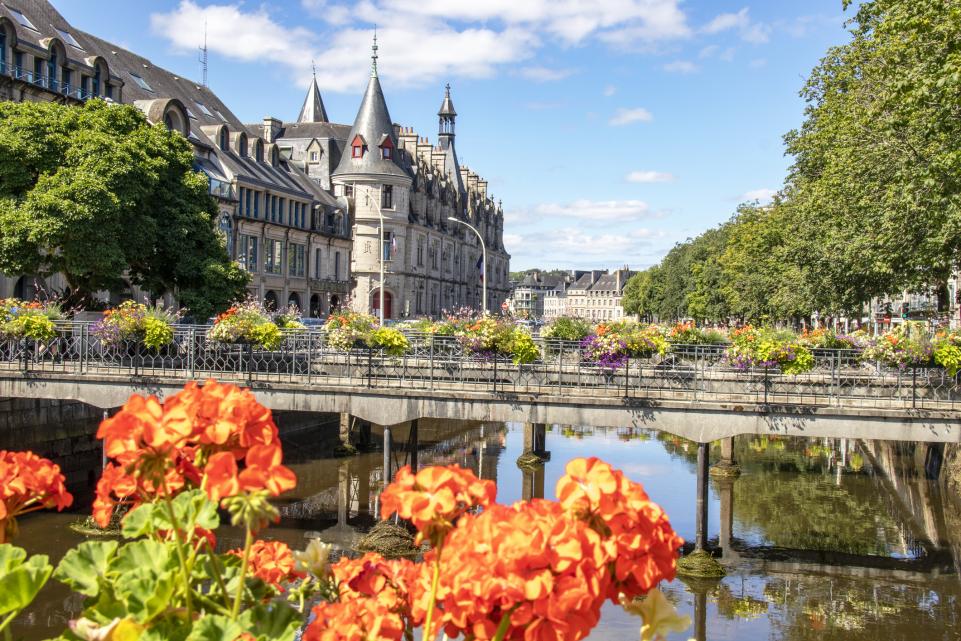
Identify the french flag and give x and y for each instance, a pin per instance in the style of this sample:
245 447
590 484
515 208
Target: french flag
480 267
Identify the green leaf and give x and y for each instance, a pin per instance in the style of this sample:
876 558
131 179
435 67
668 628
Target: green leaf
10 557
145 592
276 621
144 554
195 509
214 627
139 522
84 567
19 586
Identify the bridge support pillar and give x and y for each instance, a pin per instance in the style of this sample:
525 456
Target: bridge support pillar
533 483
726 467
535 445
700 563
388 456
354 433
725 488
413 444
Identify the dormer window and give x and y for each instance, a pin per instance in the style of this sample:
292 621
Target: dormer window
223 139
386 147
243 145
258 151
357 146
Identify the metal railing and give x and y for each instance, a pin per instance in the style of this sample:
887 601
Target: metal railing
441 365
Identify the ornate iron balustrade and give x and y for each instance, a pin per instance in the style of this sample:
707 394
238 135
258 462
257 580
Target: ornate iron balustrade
440 364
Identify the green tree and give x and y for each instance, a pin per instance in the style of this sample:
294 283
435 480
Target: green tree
642 296
98 194
876 179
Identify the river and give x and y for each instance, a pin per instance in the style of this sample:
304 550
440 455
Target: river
831 540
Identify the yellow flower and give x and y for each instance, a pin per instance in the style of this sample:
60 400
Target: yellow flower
315 559
658 615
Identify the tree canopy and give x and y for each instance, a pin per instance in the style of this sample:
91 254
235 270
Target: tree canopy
99 195
872 202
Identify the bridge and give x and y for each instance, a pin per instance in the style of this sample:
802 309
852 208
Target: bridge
691 392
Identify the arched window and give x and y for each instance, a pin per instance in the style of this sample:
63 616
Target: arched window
97 79
274 157
224 142
168 121
243 145
52 69
258 151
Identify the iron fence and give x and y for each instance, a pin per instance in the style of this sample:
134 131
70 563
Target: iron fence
441 364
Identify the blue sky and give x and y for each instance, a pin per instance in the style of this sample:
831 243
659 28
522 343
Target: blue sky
611 129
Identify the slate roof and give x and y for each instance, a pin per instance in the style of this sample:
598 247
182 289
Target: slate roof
313 109
372 123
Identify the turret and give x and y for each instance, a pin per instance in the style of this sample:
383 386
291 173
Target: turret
313 109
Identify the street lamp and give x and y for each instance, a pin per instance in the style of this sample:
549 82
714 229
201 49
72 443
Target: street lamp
380 215
483 257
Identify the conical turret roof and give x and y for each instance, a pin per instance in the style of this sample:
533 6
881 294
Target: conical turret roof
447 107
374 126
313 109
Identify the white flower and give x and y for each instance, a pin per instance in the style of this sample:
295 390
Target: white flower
315 559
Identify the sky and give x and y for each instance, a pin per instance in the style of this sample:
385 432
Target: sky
610 129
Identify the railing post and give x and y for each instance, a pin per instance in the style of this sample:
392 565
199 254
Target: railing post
83 348
560 364
697 364
766 368
627 374
310 356
431 359
191 353
914 387
495 373
370 352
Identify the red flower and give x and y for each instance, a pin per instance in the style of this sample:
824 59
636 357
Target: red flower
272 562
28 483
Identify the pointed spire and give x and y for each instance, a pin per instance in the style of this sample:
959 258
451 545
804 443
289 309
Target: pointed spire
313 109
373 55
447 107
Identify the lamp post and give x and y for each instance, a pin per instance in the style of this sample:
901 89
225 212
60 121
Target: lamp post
483 257
380 215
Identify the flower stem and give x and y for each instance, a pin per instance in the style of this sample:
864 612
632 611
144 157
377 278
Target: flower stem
435 578
504 624
6 622
248 542
180 557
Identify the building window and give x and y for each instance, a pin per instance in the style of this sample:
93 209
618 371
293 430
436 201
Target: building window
313 156
259 151
318 266
67 37
204 109
52 70
97 79
420 252
280 210
390 244
387 197
257 204
349 190
357 151
143 84
274 256
337 266
240 201
38 71
66 76
224 139
3 51
108 89
249 246
385 153
296 258
247 207
22 19
243 145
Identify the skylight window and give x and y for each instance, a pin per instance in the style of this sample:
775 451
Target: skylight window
141 82
220 115
67 37
204 109
191 114
22 19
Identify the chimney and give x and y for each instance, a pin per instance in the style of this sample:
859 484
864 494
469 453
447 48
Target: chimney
272 127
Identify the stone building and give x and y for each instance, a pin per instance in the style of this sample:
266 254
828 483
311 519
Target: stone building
285 229
379 168
537 295
596 295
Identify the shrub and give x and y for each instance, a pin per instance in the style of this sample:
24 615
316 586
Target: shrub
246 323
391 340
137 323
345 329
907 345
947 351
752 347
33 319
567 328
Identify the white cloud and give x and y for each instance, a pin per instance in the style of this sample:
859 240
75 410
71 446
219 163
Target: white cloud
545 74
573 247
610 90
627 116
335 14
749 30
680 66
413 52
725 21
649 177
757 63
762 195
584 210
715 51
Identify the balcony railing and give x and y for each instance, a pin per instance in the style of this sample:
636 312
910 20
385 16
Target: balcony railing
18 72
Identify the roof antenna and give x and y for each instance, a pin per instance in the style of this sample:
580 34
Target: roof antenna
313 68
203 55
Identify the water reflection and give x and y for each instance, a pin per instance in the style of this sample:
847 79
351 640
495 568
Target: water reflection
823 539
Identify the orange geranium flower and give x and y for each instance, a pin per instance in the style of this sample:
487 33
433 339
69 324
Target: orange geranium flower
202 432
434 497
272 562
28 483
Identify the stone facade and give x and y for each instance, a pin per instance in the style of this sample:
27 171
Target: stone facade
595 296
538 296
381 169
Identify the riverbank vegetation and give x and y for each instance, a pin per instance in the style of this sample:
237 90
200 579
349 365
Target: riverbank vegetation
871 205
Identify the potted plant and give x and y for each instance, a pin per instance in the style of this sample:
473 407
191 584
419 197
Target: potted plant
135 325
29 319
246 323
